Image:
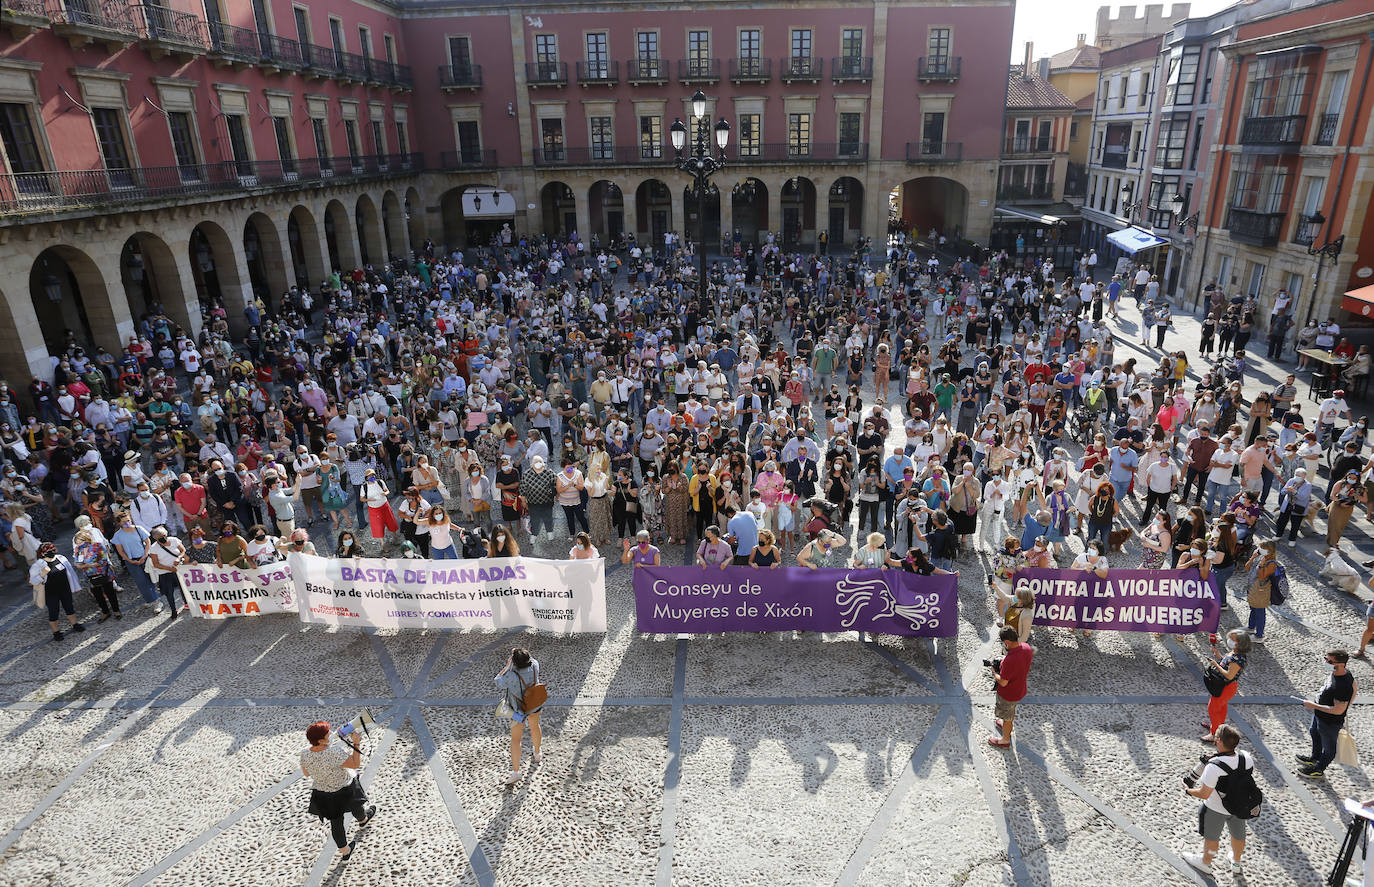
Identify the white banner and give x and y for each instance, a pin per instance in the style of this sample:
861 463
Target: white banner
562 597
220 592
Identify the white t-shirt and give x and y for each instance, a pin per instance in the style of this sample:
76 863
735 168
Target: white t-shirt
1226 462
306 479
1237 760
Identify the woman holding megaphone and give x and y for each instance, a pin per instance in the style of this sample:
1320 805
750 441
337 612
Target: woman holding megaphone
333 770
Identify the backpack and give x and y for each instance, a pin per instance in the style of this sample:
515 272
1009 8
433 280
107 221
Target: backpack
1240 795
532 695
1278 585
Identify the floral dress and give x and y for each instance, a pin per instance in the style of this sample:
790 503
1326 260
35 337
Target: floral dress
651 505
676 506
1150 559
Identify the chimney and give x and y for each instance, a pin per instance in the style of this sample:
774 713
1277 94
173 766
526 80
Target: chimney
1082 38
1027 69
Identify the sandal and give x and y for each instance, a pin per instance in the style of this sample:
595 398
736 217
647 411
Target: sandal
997 743
1208 738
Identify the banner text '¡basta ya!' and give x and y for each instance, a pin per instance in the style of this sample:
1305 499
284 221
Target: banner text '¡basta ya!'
1118 588
457 576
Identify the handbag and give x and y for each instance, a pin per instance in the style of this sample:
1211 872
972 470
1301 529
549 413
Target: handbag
1346 752
503 709
1215 680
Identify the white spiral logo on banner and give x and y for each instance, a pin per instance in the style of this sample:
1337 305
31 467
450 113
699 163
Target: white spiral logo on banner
855 592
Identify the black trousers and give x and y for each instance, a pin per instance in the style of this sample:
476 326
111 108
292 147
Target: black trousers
868 514
59 598
104 590
336 825
1293 519
167 584
1154 500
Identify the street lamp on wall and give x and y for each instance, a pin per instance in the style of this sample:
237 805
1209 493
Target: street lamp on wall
700 162
1311 230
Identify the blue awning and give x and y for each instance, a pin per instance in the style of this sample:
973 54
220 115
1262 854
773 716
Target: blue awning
1134 240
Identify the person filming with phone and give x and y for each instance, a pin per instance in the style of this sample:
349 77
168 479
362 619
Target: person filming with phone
333 771
523 695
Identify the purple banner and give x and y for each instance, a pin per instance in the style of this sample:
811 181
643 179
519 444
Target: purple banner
1169 601
697 600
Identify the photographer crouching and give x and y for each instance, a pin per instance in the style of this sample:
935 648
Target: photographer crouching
333 771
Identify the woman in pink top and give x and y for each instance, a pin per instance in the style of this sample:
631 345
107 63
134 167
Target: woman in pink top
769 483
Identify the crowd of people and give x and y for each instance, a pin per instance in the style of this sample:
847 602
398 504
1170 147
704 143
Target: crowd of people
936 410
463 403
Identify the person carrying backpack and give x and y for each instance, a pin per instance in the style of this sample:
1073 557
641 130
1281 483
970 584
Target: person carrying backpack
1229 797
523 694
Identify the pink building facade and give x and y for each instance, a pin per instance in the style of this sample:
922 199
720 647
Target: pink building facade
184 151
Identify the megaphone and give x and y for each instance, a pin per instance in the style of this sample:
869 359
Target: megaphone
364 722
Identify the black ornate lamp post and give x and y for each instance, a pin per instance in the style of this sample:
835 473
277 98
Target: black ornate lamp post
700 161
1312 229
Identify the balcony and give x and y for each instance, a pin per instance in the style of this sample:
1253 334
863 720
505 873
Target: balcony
317 61
278 53
403 78
51 192
231 45
751 69
23 17
599 73
1254 228
1326 129
851 68
802 69
468 159
1020 193
350 67
453 77
938 69
646 72
1273 134
1114 159
814 152
1028 145
546 73
934 152
171 32
84 22
698 71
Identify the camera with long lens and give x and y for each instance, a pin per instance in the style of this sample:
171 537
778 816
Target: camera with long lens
994 664
1192 776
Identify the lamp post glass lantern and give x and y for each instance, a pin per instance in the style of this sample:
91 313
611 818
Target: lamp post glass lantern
1313 225
700 160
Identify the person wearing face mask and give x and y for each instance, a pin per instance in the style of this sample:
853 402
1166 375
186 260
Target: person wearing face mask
299 543
55 582
502 542
165 552
375 494
261 547
642 553
147 510
131 543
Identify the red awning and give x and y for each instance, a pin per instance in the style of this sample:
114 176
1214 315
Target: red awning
1360 301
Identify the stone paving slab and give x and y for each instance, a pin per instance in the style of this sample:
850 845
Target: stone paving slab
940 833
780 665
589 814
272 661
785 788
121 813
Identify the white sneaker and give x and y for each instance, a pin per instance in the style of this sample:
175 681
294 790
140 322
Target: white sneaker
1235 867
1292 543
1257 640
513 777
159 607
538 757
1196 861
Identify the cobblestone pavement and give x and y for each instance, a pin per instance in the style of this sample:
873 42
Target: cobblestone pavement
155 752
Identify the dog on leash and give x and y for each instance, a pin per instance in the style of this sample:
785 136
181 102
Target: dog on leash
1118 538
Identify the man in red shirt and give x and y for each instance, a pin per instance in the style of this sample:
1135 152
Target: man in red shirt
190 499
1011 683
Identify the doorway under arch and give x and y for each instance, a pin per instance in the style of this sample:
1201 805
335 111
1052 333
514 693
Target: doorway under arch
844 212
72 302
558 206
338 238
262 252
215 269
606 209
393 226
303 240
932 202
151 279
798 212
654 211
369 225
749 209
